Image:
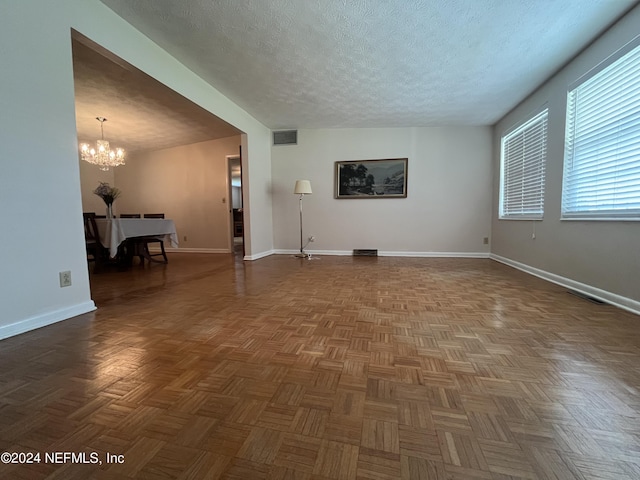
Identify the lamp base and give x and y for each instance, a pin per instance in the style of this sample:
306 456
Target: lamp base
306 255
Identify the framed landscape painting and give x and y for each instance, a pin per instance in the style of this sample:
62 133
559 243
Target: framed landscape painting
371 178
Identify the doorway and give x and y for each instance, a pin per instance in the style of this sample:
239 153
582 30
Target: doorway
236 211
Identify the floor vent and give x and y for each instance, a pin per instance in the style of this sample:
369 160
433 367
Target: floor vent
285 137
364 252
586 297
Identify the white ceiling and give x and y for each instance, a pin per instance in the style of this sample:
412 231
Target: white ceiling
141 112
373 63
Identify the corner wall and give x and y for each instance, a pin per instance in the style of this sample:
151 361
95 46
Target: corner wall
100 24
39 178
188 184
602 257
446 213
40 196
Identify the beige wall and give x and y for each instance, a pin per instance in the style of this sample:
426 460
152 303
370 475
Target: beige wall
604 256
90 178
447 210
188 184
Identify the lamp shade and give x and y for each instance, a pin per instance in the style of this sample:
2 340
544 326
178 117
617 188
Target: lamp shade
303 187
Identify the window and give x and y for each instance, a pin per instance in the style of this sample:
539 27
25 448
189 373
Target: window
523 159
602 149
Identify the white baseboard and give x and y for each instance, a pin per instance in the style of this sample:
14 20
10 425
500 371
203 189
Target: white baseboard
257 256
215 250
390 254
436 254
281 251
614 299
45 319
219 250
191 250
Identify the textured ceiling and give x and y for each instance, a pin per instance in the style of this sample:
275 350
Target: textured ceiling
370 63
141 112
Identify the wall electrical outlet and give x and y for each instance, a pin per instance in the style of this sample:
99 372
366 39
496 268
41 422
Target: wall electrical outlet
485 240
312 238
65 279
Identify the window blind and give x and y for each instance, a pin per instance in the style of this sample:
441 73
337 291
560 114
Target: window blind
523 163
602 144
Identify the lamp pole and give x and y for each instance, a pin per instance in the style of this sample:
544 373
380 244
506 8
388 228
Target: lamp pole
302 188
301 252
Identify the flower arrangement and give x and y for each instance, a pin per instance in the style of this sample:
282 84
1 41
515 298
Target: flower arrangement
107 193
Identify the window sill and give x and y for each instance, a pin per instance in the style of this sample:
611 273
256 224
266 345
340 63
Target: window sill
600 219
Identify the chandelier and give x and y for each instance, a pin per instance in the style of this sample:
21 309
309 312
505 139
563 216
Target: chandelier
101 155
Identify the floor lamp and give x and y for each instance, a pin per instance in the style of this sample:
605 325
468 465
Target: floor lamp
302 188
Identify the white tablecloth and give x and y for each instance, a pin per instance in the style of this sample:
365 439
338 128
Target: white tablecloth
116 230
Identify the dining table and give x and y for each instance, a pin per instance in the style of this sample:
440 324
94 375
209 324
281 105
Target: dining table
114 232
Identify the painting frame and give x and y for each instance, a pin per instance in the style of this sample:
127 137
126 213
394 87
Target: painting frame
379 178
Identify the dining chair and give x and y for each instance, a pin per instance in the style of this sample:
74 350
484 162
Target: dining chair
154 239
132 247
95 250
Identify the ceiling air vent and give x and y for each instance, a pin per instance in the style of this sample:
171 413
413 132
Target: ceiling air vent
285 137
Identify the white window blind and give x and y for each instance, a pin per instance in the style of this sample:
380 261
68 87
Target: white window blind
523 163
602 150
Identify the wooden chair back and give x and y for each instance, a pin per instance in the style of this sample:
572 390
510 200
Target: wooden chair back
154 239
90 228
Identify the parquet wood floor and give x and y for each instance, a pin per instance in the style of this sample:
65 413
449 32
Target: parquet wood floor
340 368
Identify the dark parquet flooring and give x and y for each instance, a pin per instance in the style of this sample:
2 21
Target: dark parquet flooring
338 368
